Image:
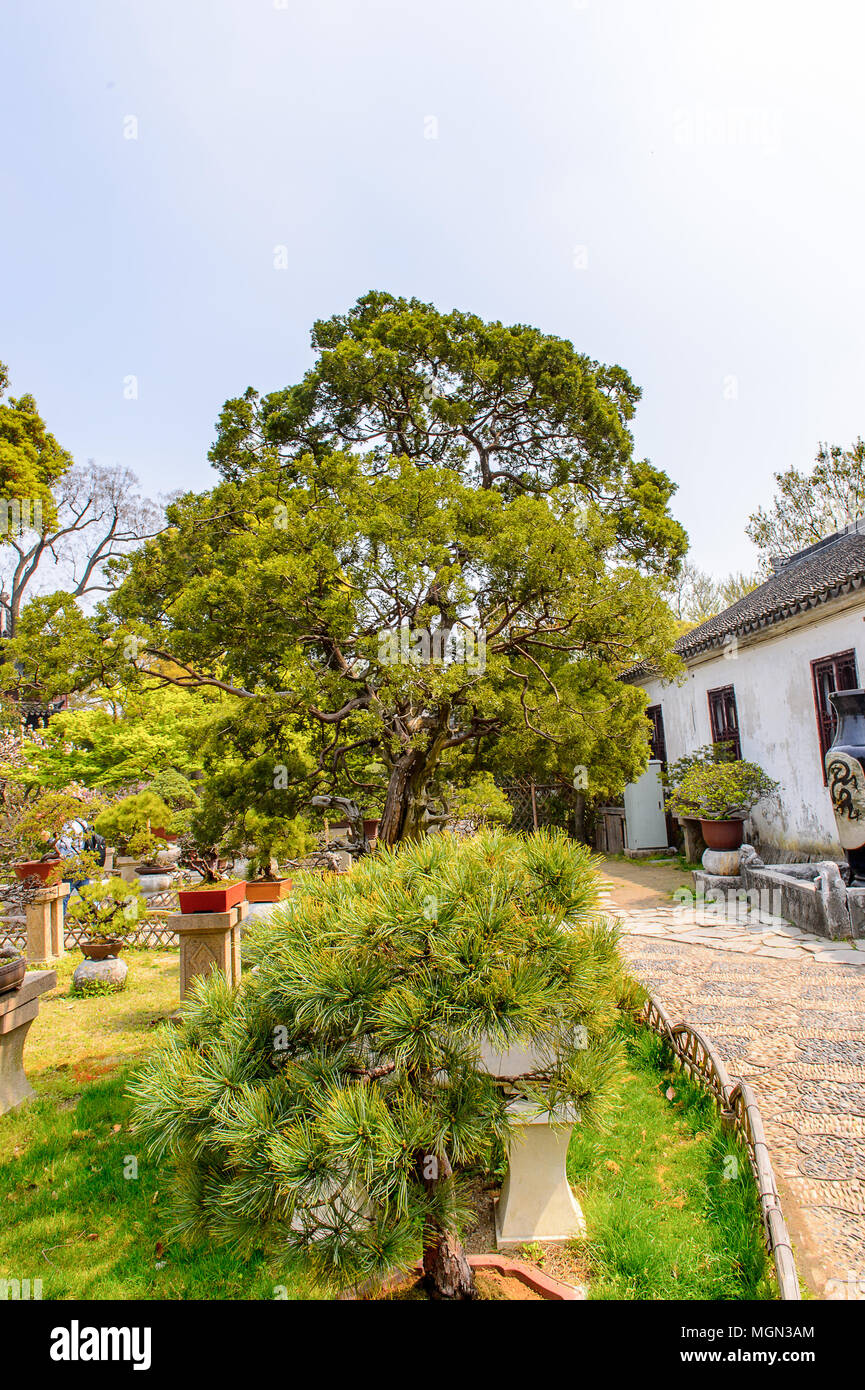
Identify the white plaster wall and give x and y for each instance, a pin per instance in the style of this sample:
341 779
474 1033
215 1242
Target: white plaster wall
777 720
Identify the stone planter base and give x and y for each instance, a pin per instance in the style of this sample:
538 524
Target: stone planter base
44 917
209 941
536 1201
554 1290
17 1012
110 971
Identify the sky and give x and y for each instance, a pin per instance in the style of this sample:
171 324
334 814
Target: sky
675 186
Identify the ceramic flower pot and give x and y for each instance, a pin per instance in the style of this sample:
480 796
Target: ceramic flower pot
217 899
100 948
153 881
268 890
722 834
12 973
845 776
35 868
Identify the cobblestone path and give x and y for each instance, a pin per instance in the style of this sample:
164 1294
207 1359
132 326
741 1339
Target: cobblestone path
791 1022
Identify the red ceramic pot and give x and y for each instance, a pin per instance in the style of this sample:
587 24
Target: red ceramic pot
370 828
35 868
211 899
722 834
268 890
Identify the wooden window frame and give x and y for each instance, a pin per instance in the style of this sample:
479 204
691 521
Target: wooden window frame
719 735
658 741
823 713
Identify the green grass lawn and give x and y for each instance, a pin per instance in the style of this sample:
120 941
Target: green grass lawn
670 1202
69 1214
664 1220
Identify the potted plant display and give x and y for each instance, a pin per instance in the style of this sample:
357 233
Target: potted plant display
215 892
152 876
721 795
106 910
37 830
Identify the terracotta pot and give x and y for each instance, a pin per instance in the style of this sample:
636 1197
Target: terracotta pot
98 948
722 834
845 778
35 868
370 828
11 975
268 890
211 899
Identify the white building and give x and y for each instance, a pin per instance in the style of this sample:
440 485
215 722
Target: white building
759 674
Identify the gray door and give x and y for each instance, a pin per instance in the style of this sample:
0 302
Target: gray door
644 810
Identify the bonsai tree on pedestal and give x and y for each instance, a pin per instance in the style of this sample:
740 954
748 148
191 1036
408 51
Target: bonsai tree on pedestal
330 1107
106 910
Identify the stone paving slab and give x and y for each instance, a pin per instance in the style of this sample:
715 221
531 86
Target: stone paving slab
789 1019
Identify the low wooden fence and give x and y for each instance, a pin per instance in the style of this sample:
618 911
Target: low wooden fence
740 1112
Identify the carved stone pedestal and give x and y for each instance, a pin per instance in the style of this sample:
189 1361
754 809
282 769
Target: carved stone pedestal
17 1011
45 924
209 941
536 1201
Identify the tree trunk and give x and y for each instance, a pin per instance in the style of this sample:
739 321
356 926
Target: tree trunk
447 1272
403 805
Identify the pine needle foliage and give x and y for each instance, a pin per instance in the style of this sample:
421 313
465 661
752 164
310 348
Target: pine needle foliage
329 1106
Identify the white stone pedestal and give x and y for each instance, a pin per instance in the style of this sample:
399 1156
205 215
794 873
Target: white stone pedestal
536 1201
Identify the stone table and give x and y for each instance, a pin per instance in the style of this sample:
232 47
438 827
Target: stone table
18 1008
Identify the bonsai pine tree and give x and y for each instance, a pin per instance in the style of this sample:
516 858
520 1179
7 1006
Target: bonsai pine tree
330 1107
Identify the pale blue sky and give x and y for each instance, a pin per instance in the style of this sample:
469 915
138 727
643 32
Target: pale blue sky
674 186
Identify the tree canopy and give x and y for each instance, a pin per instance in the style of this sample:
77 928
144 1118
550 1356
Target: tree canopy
438 540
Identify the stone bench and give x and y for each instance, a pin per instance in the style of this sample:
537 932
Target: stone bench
18 1008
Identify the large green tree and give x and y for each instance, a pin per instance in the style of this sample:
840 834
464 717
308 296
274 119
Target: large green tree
438 538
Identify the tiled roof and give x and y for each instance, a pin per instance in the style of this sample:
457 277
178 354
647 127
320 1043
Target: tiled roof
832 567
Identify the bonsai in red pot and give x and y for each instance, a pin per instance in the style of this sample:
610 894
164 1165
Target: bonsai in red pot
721 796
214 893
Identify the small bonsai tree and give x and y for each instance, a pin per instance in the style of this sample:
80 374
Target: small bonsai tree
481 802
332 1105
106 910
708 753
124 820
147 848
176 790
721 790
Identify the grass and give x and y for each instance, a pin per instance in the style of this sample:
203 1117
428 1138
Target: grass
71 1212
665 1222
670 1202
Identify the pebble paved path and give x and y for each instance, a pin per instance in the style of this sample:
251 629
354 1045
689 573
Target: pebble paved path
786 1012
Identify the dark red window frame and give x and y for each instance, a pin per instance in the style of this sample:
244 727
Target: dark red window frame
657 738
724 718
828 673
